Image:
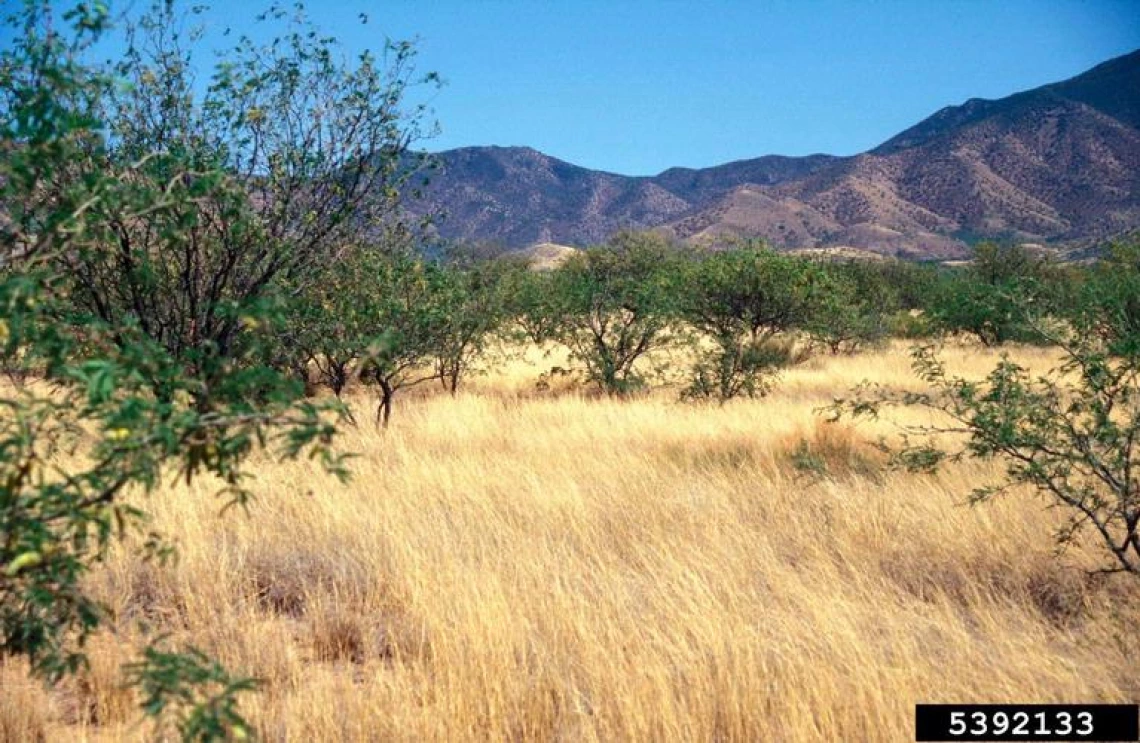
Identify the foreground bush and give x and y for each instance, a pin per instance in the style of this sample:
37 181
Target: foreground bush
1072 434
145 234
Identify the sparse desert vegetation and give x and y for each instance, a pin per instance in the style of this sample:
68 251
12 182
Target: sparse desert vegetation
559 566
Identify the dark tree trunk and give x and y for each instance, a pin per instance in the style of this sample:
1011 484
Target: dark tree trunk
384 410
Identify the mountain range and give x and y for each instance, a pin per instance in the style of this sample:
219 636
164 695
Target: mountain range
1057 165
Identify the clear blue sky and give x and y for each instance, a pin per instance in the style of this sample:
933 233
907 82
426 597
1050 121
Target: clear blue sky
635 87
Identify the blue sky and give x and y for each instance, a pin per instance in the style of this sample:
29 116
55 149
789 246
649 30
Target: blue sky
635 87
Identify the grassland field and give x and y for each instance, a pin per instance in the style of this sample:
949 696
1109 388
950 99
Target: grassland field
517 564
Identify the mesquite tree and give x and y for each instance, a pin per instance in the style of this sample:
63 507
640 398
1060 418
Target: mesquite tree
613 304
849 308
289 157
740 300
1072 433
411 311
475 296
141 234
987 298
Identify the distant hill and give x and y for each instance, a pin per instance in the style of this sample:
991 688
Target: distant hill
1059 164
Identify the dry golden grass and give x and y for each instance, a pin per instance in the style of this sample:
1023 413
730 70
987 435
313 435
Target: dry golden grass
517 565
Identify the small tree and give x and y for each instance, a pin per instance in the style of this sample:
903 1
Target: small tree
332 322
740 300
1107 303
391 319
613 305
410 312
848 309
531 304
902 285
475 310
987 298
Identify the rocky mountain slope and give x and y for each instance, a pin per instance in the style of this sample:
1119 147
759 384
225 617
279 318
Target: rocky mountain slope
1057 164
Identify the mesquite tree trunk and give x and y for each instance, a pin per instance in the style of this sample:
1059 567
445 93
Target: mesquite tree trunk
384 409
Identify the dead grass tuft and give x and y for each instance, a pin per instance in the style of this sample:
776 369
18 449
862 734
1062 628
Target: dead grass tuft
97 695
25 706
282 580
338 635
833 450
